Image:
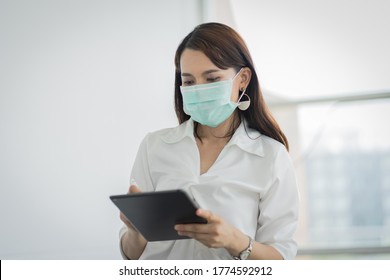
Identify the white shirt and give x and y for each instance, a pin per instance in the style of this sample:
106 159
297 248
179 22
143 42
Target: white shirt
251 185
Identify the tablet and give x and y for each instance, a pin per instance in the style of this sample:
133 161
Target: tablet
154 214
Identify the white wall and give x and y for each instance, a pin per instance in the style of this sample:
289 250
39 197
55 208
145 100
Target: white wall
306 48
81 83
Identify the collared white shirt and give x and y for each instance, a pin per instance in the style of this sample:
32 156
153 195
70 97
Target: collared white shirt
251 185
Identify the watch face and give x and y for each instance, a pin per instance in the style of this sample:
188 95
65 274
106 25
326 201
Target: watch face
244 255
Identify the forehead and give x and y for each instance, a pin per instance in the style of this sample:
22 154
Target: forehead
192 61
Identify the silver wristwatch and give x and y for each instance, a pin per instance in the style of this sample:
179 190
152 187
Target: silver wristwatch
245 254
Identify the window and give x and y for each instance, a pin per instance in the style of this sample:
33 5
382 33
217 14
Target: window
343 161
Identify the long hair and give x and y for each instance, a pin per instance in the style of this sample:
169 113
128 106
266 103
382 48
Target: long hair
226 49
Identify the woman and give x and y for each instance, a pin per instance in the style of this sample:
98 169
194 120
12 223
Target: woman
232 161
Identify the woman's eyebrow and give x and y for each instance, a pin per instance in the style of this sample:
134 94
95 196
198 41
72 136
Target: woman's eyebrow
204 73
210 71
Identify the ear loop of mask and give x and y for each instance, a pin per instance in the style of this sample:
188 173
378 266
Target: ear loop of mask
244 105
242 94
235 76
238 101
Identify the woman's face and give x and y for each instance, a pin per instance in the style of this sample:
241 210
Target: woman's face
196 68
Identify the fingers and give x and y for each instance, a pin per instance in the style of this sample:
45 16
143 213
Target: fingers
213 234
212 220
208 215
195 228
196 235
204 233
134 189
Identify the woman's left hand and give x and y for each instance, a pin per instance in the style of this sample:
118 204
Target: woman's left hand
215 234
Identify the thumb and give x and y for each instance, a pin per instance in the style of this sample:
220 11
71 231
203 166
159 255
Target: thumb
134 189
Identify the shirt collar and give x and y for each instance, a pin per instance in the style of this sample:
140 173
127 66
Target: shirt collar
247 139
186 129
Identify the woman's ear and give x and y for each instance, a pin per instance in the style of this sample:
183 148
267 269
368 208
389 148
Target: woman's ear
245 77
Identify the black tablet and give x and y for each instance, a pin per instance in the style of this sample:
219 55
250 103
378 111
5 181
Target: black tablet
154 214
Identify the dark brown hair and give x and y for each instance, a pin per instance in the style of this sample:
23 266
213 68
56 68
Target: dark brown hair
226 49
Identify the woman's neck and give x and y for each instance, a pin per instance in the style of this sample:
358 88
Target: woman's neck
223 132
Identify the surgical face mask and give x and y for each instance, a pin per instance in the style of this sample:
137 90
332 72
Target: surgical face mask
209 104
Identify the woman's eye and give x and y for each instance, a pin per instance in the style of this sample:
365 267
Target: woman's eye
187 83
212 80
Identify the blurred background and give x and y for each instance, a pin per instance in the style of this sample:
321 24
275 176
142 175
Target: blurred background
82 82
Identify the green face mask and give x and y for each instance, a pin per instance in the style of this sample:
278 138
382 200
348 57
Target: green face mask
209 104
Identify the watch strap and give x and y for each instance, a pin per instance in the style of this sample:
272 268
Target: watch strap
245 254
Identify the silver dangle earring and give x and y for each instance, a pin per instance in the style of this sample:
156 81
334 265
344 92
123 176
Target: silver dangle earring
244 105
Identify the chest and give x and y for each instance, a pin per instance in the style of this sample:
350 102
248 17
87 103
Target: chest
185 164
208 155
